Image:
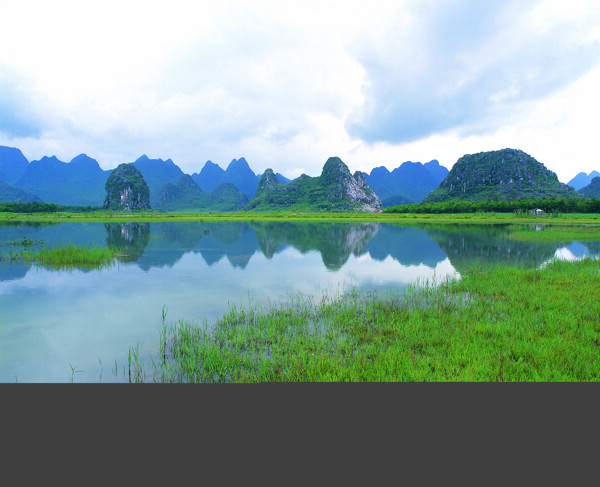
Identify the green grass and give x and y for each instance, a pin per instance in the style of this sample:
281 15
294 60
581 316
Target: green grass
555 233
71 257
405 218
505 324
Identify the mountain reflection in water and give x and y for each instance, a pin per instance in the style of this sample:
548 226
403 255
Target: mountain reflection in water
150 245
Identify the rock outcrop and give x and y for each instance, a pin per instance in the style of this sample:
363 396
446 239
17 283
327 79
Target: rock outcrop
126 189
335 190
501 175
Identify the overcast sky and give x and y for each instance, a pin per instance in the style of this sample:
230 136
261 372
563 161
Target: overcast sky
288 84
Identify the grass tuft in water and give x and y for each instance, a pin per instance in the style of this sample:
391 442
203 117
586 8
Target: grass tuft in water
72 256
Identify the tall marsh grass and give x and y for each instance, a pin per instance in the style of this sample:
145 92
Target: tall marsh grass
503 324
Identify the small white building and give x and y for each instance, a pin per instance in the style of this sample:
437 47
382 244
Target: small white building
539 212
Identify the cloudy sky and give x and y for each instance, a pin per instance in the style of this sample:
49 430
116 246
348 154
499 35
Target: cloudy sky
288 84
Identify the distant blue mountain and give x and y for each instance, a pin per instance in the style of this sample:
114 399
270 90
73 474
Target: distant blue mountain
12 164
157 173
209 177
436 170
582 180
238 173
280 177
79 182
411 181
10 194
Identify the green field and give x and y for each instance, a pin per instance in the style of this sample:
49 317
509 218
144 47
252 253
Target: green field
405 218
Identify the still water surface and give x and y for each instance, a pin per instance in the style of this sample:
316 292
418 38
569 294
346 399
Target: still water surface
61 325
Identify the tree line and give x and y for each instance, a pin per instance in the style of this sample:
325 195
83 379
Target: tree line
37 207
519 206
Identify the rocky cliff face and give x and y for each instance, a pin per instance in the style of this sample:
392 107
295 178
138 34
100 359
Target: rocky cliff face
359 190
268 181
353 192
126 189
499 175
335 190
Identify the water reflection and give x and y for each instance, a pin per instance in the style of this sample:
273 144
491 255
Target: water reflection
129 240
160 245
335 242
480 246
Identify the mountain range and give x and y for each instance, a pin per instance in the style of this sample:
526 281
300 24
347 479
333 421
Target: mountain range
503 174
81 182
409 183
186 195
237 173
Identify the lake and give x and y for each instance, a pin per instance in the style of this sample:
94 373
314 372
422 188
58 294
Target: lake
58 326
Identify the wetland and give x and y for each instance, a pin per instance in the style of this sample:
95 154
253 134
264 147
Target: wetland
163 281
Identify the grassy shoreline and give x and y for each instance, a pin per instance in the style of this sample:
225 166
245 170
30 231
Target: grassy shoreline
505 324
556 233
123 217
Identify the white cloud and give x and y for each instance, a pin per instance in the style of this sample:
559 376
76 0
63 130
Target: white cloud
288 84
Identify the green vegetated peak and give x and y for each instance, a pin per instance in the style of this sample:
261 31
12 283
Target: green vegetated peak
186 195
126 189
499 175
268 181
592 190
335 190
